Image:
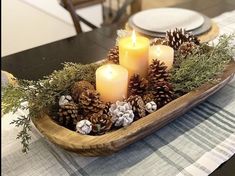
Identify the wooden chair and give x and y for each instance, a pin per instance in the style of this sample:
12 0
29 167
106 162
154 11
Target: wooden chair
73 5
135 7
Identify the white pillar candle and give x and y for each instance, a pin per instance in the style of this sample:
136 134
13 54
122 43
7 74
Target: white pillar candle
134 53
112 82
163 53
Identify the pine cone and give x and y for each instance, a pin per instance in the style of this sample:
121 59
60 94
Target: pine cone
163 93
187 48
84 126
65 99
101 122
137 85
90 101
157 72
159 41
138 106
113 55
68 115
178 36
148 97
150 107
106 108
122 113
80 87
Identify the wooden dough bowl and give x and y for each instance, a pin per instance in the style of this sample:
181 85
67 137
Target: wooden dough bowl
111 142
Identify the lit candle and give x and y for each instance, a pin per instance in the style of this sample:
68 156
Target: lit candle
163 53
133 54
112 82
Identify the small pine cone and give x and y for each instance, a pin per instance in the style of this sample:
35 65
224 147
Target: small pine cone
84 126
122 113
148 97
187 48
163 93
90 101
192 38
101 122
159 41
113 55
150 107
80 87
68 115
138 106
157 72
137 85
178 36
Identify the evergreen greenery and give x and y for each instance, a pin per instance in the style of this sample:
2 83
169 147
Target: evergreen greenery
191 72
42 94
202 66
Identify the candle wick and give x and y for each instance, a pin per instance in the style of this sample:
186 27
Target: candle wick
133 37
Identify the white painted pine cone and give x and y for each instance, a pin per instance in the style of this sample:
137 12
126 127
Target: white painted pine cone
122 113
84 127
151 107
64 99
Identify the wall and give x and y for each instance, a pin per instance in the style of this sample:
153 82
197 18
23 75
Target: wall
24 26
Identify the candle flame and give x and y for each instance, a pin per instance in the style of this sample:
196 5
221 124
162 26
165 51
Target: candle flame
158 51
133 37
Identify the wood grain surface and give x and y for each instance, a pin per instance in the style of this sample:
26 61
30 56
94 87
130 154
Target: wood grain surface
111 142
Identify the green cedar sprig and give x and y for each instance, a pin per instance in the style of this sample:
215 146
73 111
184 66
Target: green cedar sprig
23 135
201 67
42 94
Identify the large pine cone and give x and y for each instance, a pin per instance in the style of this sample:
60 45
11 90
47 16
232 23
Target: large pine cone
159 41
178 36
137 85
106 108
101 122
163 93
113 55
80 87
90 101
68 115
157 72
138 106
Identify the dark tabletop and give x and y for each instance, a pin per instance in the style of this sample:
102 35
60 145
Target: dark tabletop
90 47
84 48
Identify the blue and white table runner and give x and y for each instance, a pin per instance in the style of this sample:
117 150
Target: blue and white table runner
194 144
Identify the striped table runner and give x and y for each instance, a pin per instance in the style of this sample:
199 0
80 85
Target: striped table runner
194 144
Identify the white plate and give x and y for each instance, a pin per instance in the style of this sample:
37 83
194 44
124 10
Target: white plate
163 19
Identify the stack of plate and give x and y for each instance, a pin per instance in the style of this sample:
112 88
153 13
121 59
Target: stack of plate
155 22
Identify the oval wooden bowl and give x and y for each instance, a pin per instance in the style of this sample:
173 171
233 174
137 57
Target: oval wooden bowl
114 141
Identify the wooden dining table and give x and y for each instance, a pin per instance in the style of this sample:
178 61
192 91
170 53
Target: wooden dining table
84 48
